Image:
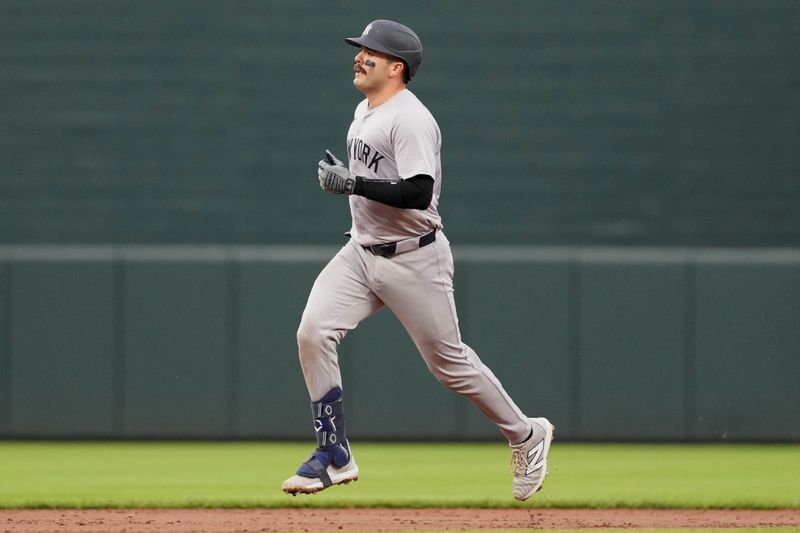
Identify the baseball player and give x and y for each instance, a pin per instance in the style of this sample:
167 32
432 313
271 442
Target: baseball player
397 257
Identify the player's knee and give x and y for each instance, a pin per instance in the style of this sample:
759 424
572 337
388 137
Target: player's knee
306 337
311 338
449 369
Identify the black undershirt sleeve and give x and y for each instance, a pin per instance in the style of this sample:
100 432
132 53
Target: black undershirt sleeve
412 193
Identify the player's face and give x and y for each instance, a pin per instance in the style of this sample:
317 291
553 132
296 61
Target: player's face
372 70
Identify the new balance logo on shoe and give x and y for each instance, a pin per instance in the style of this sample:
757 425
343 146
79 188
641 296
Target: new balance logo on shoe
535 459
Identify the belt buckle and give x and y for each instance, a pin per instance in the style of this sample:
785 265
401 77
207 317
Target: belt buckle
383 250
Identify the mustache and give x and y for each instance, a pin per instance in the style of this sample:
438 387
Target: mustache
367 63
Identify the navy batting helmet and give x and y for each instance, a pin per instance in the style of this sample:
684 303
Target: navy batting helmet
394 39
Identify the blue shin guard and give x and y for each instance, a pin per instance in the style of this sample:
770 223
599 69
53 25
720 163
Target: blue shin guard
332 446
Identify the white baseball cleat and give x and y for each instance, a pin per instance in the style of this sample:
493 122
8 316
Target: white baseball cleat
343 475
529 459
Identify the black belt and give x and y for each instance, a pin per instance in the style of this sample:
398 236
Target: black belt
392 248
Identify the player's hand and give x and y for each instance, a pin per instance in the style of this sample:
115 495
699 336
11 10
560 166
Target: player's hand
334 177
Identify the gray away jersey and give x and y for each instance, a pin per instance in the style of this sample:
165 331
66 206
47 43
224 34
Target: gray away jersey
398 139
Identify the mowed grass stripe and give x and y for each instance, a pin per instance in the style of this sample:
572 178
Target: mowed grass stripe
235 474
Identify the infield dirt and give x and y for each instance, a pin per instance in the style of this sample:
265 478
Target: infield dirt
334 520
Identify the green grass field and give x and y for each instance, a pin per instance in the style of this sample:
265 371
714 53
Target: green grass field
41 475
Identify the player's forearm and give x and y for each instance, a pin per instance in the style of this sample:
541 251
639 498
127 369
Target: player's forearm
411 193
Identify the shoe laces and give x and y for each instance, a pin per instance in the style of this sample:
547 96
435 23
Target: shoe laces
519 461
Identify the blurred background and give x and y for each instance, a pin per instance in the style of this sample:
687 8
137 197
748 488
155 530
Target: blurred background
621 188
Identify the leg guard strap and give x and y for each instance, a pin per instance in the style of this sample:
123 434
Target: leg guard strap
320 471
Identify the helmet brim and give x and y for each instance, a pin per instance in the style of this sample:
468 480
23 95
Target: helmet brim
372 44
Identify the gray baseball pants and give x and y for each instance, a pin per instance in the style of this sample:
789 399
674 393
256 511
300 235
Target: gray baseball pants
417 286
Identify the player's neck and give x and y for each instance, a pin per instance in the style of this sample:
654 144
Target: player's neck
384 94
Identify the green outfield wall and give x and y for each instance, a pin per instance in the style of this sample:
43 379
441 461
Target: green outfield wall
661 344
621 181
